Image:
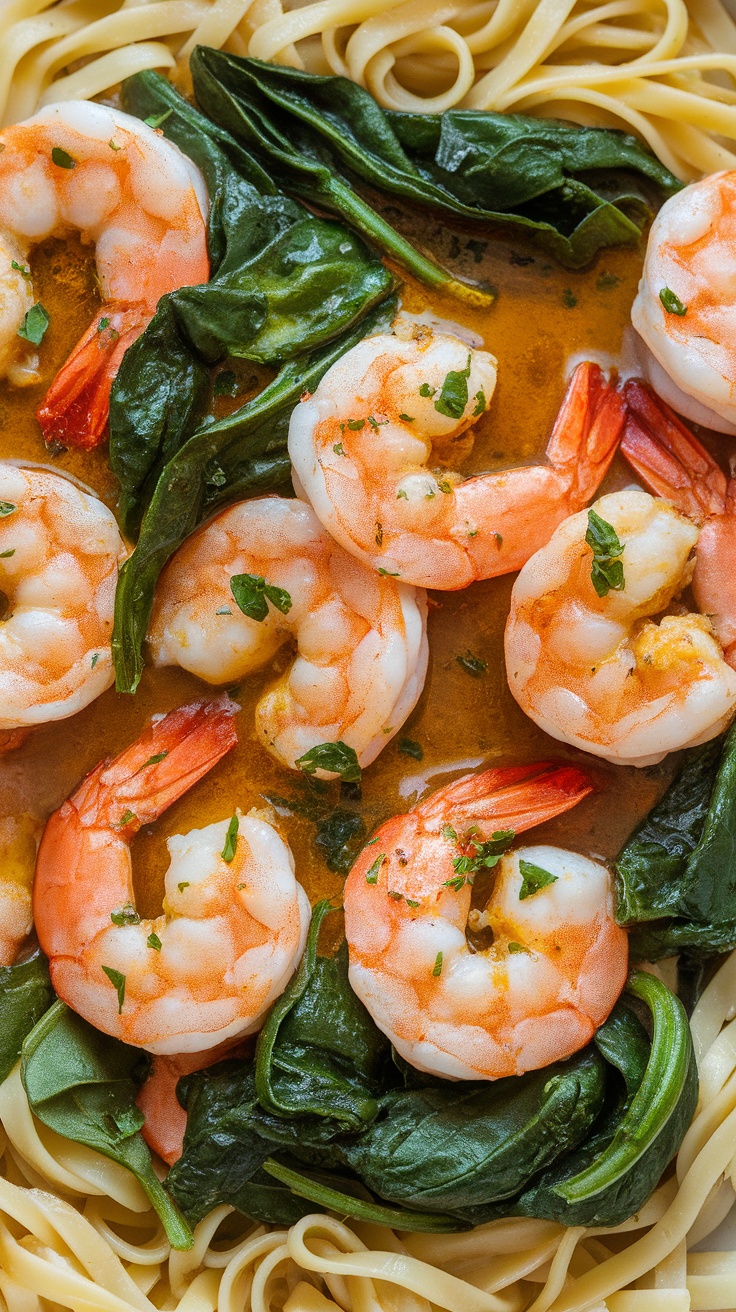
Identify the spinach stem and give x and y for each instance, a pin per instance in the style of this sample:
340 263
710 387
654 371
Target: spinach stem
348 1205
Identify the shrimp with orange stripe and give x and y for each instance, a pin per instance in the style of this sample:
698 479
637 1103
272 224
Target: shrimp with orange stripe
557 962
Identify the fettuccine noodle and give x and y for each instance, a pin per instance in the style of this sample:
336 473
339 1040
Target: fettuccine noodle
76 1230
664 69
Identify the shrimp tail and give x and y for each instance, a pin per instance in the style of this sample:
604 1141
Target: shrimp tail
587 430
668 458
171 755
165 1118
515 797
75 410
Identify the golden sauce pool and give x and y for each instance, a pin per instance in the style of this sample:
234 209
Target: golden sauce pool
541 317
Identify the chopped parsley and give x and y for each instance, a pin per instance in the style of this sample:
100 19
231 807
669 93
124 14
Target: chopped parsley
672 302
480 403
5 555
569 299
253 593
607 571
411 748
453 398
127 915
533 878
102 325
62 159
371 874
34 325
6 508
153 941
118 982
408 419
114 145
355 425
184 884
154 760
477 856
126 818
339 449
336 758
437 967
377 423
387 573
155 120
474 665
22 269
426 390
95 659
231 840
517 947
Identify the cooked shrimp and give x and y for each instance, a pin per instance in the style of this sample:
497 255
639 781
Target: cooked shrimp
596 670
84 166
684 311
234 918
557 962
18 838
361 639
361 447
59 554
672 463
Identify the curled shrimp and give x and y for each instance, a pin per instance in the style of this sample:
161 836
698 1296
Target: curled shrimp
361 447
361 639
84 166
234 920
672 463
596 670
59 555
684 308
18 839
557 962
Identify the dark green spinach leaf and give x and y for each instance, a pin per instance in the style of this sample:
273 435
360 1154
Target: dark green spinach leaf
572 190
83 1085
25 994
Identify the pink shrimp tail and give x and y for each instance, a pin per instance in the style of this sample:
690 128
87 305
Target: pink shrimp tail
587 430
165 1119
515 797
668 458
115 799
75 409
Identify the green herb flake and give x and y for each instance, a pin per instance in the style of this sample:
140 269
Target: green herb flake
372 874
126 818
154 760
5 555
411 903
569 299
118 982
480 403
449 833
407 419
155 120
606 280
517 947
6 508
336 758
401 495
95 659
153 941
22 269
62 158
114 145
484 855
474 665
453 398
444 486
34 325
339 449
252 593
411 748
102 325
184 884
376 423
426 390
387 573
533 879
672 302
355 425
397 897
607 571
437 967
127 915
231 840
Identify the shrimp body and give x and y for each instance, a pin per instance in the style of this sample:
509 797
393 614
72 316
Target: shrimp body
597 671
557 962
59 555
233 926
672 463
689 340
361 639
18 839
83 166
365 445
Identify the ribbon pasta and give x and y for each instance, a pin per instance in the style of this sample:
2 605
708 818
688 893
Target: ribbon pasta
664 69
76 1231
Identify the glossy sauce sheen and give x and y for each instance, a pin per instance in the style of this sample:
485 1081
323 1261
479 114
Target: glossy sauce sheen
543 315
